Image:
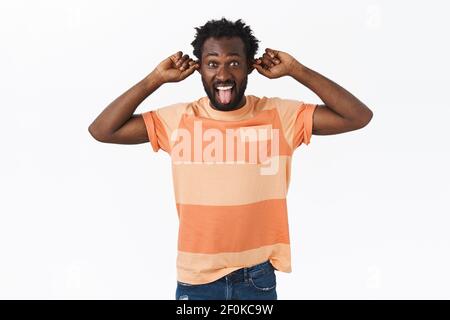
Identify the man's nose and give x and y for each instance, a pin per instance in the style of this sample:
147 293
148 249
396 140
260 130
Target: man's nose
223 73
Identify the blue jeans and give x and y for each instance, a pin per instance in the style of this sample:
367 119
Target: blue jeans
257 282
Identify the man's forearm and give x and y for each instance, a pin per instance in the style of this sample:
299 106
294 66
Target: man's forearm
121 109
333 95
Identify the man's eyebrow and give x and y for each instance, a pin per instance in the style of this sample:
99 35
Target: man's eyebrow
228 55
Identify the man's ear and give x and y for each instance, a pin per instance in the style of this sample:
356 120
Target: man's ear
250 66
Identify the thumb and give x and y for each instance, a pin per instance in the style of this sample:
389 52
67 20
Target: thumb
260 69
190 69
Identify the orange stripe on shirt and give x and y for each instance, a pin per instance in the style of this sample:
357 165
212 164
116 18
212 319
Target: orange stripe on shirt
217 229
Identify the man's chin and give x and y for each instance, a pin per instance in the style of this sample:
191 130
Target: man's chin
233 104
224 107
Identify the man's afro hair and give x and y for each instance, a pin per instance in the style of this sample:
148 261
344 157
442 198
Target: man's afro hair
225 28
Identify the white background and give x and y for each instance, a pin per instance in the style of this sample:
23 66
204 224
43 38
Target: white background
368 210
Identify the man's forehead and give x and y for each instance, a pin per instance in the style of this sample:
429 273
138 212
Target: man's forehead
233 46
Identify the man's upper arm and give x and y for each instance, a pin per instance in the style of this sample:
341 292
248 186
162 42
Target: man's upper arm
326 121
132 132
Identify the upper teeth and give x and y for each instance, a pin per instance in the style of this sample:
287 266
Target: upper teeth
224 88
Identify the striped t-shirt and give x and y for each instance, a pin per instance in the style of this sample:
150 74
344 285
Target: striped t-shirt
231 172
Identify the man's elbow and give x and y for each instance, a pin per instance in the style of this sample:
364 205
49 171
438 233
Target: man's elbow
98 134
368 117
364 119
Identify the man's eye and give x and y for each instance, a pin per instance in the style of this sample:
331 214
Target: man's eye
212 64
234 63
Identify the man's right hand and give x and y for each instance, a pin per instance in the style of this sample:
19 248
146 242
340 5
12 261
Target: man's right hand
117 123
176 68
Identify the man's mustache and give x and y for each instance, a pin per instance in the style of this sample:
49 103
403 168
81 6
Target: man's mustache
223 84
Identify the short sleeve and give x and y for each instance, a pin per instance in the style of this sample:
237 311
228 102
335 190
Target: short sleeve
296 118
156 131
303 124
161 123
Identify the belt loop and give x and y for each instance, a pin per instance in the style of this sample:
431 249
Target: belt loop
245 275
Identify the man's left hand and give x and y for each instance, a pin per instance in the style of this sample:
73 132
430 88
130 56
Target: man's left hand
275 64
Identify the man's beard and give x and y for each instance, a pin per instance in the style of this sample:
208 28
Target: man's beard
233 104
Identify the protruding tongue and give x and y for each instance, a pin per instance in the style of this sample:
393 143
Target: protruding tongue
224 96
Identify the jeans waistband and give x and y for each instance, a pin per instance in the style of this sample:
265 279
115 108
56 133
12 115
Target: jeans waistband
244 273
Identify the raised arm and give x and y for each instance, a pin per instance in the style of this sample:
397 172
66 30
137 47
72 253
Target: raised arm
117 123
341 111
